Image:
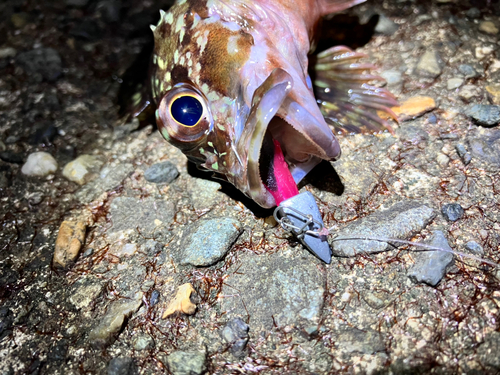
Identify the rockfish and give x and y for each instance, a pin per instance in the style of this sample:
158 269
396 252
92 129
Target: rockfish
231 80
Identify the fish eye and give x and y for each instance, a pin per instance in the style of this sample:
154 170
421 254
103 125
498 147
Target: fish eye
186 110
183 115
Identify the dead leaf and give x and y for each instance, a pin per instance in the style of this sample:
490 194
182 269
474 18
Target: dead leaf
182 302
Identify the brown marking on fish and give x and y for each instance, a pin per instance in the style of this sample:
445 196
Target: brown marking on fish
219 66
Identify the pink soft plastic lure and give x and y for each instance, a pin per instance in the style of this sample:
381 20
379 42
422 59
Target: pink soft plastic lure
227 74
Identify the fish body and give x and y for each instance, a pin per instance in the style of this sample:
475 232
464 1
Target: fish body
231 84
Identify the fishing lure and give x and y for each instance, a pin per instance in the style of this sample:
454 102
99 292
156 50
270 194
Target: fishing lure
232 85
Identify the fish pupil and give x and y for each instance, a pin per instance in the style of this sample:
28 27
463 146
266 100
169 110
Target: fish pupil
186 110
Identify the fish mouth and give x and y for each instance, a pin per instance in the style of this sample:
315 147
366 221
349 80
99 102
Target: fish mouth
282 141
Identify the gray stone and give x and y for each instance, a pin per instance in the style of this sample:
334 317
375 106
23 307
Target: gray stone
145 215
235 333
274 289
452 211
468 71
473 13
40 64
484 145
484 114
386 26
121 366
39 164
462 152
430 64
430 266
207 241
186 363
454 83
110 325
474 247
164 172
392 77
402 221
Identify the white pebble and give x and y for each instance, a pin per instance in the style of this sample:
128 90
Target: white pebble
79 169
39 164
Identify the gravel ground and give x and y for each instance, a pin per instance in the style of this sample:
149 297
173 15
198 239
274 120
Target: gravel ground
130 215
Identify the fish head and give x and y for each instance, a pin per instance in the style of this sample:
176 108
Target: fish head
224 88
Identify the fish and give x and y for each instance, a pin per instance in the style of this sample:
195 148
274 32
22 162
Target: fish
238 91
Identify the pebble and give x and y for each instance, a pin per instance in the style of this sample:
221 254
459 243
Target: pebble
164 172
473 13
454 83
468 71
474 247
493 92
442 160
488 27
386 26
68 243
41 63
392 77
414 107
430 64
430 266
275 289
82 169
452 211
484 114
143 342
121 366
235 333
464 155
39 164
186 363
109 325
207 241
469 92
181 303
155 297
7 52
401 220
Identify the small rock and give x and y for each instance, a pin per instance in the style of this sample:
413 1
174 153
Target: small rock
68 243
452 211
430 64
484 114
430 266
11 157
235 333
473 13
386 26
181 302
464 155
41 63
82 169
493 92
143 342
414 107
488 27
39 164
392 77
7 52
442 160
454 83
468 71
402 220
474 247
207 241
469 92
186 363
121 366
111 323
483 51
164 172
155 297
